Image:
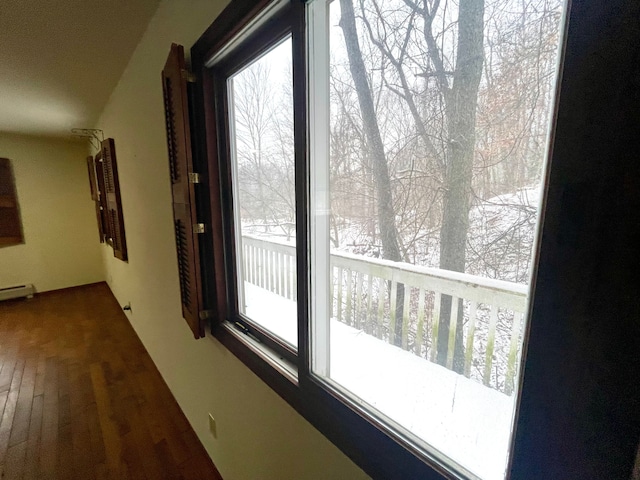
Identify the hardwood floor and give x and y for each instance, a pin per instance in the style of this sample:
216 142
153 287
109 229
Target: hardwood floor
80 397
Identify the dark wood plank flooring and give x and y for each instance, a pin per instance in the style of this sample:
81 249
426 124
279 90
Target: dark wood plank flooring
80 397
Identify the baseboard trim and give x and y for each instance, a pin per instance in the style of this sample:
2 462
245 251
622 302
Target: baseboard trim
68 289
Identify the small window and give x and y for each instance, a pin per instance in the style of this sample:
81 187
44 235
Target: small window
261 121
10 222
254 80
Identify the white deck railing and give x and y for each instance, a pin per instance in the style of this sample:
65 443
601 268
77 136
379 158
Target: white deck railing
363 295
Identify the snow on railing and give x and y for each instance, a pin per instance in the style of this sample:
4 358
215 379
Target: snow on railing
364 296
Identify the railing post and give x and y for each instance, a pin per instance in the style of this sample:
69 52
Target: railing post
468 358
513 353
453 325
420 325
339 302
405 316
435 319
358 314
491 339
380 319
393 313
348 310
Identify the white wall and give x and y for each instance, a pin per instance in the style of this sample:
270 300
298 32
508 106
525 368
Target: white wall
259 435
61 246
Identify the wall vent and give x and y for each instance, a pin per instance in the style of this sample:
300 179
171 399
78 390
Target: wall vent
17 292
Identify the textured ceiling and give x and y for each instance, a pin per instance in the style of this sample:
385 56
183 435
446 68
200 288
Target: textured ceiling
61 59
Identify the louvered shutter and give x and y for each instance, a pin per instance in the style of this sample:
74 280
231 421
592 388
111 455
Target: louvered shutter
176 107
114 218
10 225
102 194
95 195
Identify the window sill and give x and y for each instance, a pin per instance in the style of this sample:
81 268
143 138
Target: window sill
281 365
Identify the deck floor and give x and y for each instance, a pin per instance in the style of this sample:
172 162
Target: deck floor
80 398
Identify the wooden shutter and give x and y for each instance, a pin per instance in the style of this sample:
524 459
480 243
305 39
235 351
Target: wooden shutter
102 194
95 195
114 218
183 183
10 224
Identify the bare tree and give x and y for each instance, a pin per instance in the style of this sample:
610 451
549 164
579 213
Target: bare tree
461 100
459 89
264 147
385 207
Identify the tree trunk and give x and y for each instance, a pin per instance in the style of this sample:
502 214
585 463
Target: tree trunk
461 102
384 200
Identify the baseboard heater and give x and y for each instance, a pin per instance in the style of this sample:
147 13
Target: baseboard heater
17 292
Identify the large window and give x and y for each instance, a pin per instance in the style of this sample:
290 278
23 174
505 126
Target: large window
427 129
381 172
429 136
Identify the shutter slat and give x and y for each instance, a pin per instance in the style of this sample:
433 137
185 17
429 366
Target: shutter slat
113 200
176 106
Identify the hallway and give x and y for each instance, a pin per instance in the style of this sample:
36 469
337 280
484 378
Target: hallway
80 398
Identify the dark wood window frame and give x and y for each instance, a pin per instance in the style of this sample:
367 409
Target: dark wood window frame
268 35
578 410
10 221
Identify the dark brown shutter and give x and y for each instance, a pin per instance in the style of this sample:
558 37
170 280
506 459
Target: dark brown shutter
10 224
95 195
114 218
102 195
176 108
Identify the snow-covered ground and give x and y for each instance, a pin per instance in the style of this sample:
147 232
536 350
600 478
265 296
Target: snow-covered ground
458 417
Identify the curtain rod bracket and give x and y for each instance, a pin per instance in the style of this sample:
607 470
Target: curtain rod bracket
94 135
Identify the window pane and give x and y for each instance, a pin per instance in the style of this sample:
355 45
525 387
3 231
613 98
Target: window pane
261 118
429 125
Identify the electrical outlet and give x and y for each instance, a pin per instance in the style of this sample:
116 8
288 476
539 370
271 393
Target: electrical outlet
212 426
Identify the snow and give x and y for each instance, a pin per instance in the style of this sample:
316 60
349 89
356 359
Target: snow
460 418
273 312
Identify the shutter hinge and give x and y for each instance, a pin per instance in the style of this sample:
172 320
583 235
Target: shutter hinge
198 228
194 177
188 76
205 314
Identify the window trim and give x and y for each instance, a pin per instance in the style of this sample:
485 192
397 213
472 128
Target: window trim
269 34
532 454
